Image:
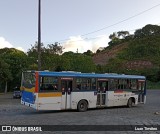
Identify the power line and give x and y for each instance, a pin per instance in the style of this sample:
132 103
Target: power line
117 22
92 38
121 20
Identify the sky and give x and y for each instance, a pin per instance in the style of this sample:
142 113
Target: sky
72 23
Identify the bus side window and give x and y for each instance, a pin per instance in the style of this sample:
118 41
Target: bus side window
134 84
121 84
78 83
78 87
53 87
112 85
48 84
125 84
93 87
128 84
86 82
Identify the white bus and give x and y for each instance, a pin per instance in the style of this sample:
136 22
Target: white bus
44 90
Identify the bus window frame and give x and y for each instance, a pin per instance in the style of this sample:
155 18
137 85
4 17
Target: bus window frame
49 84
109 83
75 89
27 82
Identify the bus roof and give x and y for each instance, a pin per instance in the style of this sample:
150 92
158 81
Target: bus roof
93 75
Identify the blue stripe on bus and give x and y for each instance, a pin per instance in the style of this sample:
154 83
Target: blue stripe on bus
74 74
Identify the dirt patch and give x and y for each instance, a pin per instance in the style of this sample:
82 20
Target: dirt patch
102 58
139 64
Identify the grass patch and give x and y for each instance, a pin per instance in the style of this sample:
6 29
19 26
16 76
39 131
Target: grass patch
153 85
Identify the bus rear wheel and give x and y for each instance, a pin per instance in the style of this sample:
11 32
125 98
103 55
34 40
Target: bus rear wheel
130 103
82 106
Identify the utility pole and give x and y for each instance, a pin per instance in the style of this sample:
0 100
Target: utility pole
39 35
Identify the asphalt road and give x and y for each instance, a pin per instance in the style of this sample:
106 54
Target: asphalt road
13 113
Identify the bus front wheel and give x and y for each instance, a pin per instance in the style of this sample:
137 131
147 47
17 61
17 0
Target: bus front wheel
130 103
82 106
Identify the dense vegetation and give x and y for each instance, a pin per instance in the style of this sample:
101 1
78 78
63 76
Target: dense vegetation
13 62
143 45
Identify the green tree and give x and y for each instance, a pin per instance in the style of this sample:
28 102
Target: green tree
123 34
50 56
88 53
114 39
33 56
5 74
148 30
78 62
113 36
54 48
17 61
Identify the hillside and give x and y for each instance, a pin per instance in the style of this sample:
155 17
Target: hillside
103 58
137 55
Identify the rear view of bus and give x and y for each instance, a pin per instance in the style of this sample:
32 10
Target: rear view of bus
38 93
28 87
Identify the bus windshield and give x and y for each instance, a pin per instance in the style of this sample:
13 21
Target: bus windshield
28 79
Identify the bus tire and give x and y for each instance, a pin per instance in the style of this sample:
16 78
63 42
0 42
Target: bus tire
82 106
130 103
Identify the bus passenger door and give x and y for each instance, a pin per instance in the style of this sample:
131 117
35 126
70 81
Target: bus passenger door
66 87
141 89
101 93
